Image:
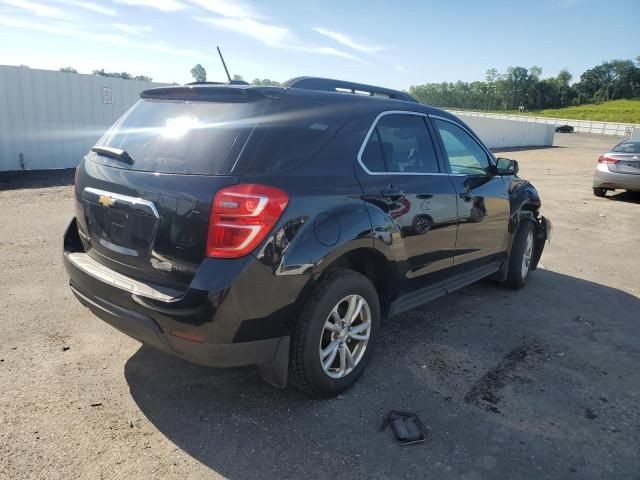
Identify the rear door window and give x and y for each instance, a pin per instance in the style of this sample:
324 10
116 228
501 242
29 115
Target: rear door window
182 137
400 143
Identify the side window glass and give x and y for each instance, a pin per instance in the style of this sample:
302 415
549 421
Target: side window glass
372 156
400 143
465 154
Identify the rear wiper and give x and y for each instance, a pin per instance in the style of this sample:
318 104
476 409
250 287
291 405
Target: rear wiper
115 153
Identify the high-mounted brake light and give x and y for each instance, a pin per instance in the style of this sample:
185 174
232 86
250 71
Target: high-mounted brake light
605 159
241 217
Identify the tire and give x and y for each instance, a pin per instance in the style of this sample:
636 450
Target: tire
523 244
599 192
311 335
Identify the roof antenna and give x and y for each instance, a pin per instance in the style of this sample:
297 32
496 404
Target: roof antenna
224 64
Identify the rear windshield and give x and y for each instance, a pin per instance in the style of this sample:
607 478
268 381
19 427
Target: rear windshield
261 136
627 147
180 137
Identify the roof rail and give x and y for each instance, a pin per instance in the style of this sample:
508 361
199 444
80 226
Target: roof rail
329 85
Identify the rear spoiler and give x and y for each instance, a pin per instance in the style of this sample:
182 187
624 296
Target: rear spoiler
212 93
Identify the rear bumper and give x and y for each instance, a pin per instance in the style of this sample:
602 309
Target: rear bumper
204 326
607 179
147 331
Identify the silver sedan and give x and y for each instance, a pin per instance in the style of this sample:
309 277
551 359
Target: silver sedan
618 168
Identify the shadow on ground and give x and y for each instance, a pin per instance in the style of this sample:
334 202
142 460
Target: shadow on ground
539 383
14 180
625 196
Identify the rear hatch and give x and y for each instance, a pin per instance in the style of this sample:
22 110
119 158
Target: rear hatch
627 155
627 163
144 192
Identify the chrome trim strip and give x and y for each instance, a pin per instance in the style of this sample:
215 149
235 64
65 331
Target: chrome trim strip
100 272
125 198
419 114
366 140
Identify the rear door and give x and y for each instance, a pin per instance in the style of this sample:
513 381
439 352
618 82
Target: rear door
627 155
482 198
411 200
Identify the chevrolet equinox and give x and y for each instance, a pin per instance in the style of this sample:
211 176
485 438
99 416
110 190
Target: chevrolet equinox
239 225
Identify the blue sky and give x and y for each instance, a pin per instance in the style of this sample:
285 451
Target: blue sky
396 44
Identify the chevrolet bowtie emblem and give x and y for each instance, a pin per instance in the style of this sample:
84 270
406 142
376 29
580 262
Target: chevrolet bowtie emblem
106 201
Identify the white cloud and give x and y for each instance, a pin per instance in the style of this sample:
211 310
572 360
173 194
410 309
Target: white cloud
60 29
38 9
228 8
133 29
93 7
164 5
270 35
77 31
330 51
400 69
347 41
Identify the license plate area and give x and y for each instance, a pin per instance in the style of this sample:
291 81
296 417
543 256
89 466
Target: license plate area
124 225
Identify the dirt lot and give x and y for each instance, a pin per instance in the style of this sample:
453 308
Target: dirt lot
543 383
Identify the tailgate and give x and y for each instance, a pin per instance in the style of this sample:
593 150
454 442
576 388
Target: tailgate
151 227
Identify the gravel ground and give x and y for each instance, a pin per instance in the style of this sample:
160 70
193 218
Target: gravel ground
542 383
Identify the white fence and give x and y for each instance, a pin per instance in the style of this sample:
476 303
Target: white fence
50 119
586 126
503 133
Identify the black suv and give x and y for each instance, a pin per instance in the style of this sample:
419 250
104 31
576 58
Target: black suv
240 225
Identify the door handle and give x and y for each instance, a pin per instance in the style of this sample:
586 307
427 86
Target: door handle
392 192
466 195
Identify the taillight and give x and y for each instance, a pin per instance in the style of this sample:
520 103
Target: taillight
241 217
605 159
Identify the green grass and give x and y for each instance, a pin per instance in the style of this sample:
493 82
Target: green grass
621 111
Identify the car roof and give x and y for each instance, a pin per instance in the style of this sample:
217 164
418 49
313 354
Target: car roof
368 97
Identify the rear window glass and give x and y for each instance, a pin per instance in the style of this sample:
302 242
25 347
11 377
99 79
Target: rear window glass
180 137
627 147
291 133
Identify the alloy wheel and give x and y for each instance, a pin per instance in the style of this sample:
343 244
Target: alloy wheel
345 336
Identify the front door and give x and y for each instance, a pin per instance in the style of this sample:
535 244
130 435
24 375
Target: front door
410 198
482 198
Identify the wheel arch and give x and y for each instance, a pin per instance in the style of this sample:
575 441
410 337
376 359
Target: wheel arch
361 258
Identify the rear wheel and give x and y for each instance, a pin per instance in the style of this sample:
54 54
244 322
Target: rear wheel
599 192
521 256
333 339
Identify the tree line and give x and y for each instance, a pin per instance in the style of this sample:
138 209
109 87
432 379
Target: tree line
521 87
199 74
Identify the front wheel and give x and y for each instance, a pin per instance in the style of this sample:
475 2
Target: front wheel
599 192
333 339
522 254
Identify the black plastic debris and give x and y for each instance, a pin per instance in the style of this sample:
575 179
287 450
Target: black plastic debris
407 427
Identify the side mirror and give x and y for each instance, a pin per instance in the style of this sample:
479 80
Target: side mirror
506 166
